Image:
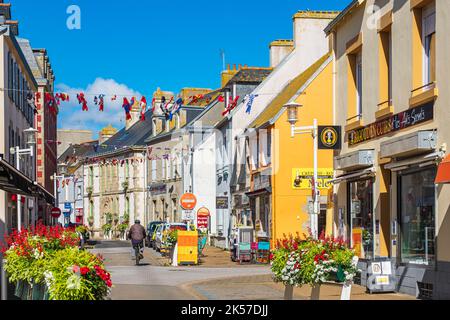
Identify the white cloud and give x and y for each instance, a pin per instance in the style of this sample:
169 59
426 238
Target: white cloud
71 115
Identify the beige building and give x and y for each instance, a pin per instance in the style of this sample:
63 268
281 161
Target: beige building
391 99
66 137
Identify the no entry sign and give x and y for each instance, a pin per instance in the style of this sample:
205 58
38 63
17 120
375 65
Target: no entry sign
188 201
56 213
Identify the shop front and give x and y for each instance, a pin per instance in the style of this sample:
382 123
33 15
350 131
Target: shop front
414 165
357 218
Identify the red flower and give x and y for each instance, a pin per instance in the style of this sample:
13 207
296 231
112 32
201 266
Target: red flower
84 270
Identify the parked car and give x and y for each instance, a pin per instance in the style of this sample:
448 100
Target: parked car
151 228
163 230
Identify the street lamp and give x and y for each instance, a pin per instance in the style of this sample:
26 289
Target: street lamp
31 142
62 169
292 113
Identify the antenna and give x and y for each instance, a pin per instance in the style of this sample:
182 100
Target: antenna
222 54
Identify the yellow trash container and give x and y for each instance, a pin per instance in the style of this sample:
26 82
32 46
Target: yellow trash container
187 247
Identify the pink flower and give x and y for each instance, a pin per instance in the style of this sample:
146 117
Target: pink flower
76 269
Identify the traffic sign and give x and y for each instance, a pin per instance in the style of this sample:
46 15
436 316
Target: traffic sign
188 201
56 213
187 215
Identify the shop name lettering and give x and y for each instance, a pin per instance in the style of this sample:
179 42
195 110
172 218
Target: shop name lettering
397 122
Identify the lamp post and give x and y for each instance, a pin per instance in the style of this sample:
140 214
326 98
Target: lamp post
62 169
292 111
31 142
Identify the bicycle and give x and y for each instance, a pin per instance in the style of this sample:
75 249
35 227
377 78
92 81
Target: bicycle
137 252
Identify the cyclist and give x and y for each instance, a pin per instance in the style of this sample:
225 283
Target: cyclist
137 235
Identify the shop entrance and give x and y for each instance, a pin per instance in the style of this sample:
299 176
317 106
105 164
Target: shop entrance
361 217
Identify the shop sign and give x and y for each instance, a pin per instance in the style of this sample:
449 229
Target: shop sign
303 178
157 189
79 212
221 202
394 123
330 138
382 280
203 218
188 201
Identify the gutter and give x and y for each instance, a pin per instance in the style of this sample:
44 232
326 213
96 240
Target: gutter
341 16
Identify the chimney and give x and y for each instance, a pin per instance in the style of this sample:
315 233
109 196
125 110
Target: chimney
279 50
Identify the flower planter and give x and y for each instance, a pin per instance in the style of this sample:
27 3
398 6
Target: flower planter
25 291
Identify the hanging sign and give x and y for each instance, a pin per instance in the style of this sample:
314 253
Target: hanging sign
188 201
330 138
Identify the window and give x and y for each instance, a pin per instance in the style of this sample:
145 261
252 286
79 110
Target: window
429 43
359 84
163 167
385 69
417 216
154 170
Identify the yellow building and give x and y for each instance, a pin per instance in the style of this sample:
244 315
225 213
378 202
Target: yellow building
282 166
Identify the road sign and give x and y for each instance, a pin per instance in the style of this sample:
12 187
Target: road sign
68 206
56 213
187 215
188 201
203 218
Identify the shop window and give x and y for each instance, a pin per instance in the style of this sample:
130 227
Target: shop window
361 218
417 216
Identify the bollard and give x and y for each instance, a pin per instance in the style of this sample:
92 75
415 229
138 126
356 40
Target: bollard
289 292
4 282
346 291
175 256
315 292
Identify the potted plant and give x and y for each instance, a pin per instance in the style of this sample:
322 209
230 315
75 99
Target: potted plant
123 227
305 261
171 241
90 191
91 221
125 185
106 230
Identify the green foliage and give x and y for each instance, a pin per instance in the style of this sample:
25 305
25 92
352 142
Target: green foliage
172 238
123 227
107 228
299 262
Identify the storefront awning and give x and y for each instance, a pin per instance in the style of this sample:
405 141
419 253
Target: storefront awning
259 192
422 161
355 175
14 181
443 175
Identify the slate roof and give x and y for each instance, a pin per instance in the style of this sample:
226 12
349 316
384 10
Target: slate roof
205 100
251 74
288 92
29 56
133 137
76 152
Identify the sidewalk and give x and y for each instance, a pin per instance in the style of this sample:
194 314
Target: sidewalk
218 258
263 288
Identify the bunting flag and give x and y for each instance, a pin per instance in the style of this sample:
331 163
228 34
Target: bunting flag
38 96
195 98
82 100
176 108
126 105
149 152
153 104
251 98
166 157
101 103
143 108
221 99
114 98
231 106
95 146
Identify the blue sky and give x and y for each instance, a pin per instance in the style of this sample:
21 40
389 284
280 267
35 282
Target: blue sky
140 45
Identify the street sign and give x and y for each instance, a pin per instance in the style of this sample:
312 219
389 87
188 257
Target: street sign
68 206
330 138
56 213
187 215
203 218
188 201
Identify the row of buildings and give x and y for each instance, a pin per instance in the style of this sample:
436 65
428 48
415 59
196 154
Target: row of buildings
375 71
28 139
